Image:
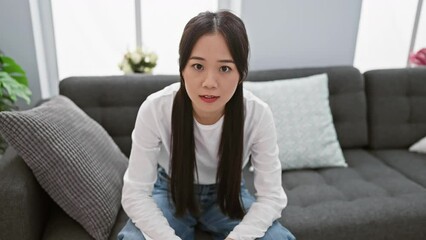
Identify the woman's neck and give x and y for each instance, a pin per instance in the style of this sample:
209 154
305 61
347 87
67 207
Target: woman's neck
207 119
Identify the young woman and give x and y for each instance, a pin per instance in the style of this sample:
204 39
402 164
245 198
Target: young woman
192 139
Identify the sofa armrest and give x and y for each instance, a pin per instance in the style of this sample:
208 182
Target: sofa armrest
23 203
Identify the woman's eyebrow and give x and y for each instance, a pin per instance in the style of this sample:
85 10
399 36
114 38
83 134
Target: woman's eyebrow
226 61
197 58
202 59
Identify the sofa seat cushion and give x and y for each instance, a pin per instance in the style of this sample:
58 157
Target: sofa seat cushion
61 226
411 165
344 203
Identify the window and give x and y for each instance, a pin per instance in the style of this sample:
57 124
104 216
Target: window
162 26
385 33
421 33
92 36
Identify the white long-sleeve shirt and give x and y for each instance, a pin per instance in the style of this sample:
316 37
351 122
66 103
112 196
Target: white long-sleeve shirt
151 146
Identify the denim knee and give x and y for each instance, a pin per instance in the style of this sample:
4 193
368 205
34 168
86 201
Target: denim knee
130 232
277 231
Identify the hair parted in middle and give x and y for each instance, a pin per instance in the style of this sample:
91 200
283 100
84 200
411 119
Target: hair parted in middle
183 162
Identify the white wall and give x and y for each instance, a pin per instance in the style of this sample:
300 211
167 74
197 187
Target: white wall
288 33
17 41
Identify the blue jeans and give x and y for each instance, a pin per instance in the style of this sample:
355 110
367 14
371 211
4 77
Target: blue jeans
211 219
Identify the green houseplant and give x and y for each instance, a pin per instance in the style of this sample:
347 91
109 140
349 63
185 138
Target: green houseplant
13 85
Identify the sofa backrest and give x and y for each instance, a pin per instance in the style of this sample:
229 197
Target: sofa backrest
347 99
396 107
113 101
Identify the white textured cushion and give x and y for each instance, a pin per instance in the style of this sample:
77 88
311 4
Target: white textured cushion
305 131
419 146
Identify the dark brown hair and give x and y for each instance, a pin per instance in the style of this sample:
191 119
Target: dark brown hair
183 162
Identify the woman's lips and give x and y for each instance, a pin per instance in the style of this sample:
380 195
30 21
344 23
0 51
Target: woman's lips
209 98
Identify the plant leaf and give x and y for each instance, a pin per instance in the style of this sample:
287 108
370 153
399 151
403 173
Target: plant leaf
14 89
13 69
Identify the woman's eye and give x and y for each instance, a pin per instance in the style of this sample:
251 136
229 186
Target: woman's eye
198 67
225 69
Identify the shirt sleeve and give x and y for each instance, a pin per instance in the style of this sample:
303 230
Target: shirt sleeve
141 175
270 196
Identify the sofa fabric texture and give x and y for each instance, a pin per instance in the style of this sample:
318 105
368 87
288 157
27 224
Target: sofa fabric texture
73 159
380 195
114 101
411 165
23 203
363 201
397 103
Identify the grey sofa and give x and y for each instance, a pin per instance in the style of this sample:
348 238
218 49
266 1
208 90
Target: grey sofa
377 115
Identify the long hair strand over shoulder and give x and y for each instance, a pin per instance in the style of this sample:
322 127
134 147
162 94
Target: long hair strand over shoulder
183 163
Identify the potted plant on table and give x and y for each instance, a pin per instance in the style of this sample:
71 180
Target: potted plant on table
13 85
138 61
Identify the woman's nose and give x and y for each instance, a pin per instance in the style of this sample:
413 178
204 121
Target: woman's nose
210 80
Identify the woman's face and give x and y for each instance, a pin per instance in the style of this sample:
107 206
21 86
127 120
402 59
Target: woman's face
211 78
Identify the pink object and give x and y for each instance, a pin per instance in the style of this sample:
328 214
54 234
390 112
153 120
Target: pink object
419 58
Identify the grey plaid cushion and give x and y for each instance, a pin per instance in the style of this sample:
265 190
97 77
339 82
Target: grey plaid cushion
73 158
